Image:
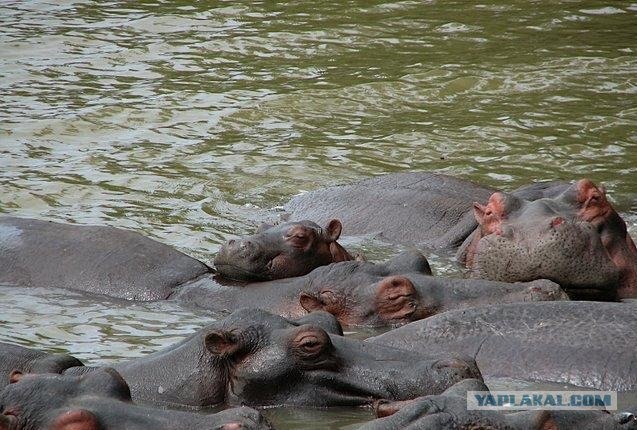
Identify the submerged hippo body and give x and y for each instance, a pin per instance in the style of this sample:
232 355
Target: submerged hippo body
101 400
576 239
282 251
102 260
588 344
258 359
428 209
360 293
15 360
448 411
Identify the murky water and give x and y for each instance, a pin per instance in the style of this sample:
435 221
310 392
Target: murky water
182 119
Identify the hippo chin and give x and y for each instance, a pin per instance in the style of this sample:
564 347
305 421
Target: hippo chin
281 251
258 359
448 411
360 293
101 400
575 239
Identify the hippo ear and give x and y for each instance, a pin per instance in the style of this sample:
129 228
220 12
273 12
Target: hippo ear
15 376
221 343
478 212
76 419
310 302
333 230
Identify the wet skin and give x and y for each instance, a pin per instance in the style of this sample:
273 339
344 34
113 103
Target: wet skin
358 293
587 344
259 359
282 251
101 400
448 411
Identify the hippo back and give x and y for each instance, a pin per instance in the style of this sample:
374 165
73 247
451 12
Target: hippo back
94 259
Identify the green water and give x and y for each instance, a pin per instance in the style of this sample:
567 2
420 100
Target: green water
182 120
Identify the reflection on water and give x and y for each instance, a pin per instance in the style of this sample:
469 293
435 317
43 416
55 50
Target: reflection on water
182 120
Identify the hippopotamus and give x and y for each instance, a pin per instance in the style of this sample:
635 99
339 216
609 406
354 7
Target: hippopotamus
417 208
360 293
576 239
568 233
94 259
101 400
586 344
282 251
449 411
15 360
255 358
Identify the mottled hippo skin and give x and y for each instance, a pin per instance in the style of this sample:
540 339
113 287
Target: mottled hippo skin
427 209
366 294
448 411
258 359
101 400
282 251
16 360
588 344
101 260
575 239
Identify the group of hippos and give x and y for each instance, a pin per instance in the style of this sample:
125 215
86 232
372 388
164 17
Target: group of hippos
551 273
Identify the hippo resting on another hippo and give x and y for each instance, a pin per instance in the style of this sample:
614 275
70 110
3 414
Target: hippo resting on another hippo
362 293
569 234
16 359
587 344
258 359
448 411
101 400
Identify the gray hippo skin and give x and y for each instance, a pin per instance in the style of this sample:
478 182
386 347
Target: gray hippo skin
360 293
428 209
576 239
101 400
15 360
258 359
448 411
281 251
101 260
588 344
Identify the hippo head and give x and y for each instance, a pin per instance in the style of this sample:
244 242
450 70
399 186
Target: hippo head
575 239
367 294
255 358
37 401
281 251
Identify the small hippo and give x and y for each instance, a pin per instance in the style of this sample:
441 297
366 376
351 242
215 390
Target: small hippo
258 359
281 251
15 360
359 293
448 411
101 400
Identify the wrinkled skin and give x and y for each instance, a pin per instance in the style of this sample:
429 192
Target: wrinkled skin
397 292
416 208
587 344
93 259
16 359
448 411
258 359
282 251
101 400
576 239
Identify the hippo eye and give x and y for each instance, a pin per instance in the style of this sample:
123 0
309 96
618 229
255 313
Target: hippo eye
298 240
311 346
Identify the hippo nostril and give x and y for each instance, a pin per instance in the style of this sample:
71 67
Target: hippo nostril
231 242
558 220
